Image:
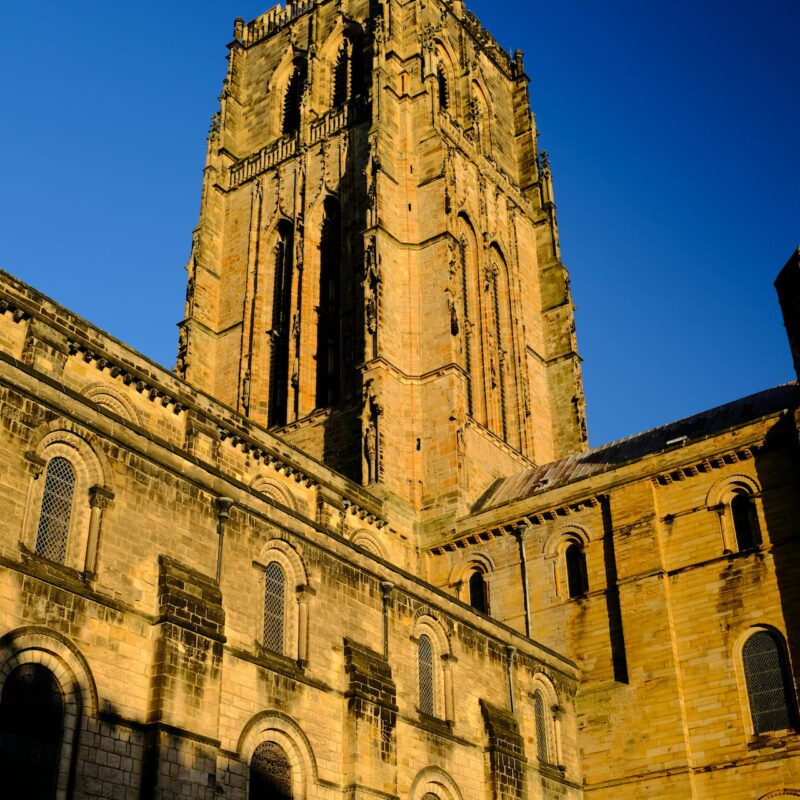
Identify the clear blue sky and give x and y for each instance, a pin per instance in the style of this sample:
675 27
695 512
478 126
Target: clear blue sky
673 128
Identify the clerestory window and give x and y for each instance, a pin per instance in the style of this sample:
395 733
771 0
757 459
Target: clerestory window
577 578
745 525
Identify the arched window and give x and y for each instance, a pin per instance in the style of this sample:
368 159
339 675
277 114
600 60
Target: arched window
444 97
31 728
425 656
293 99
745 526
59 489
270 773
577 579
341 77
329 320
281 325
274 608
540 722
768 687
479 592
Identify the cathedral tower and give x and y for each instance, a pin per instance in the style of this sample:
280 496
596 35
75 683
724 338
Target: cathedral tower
376 272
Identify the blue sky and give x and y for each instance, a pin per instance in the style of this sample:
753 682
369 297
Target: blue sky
673 129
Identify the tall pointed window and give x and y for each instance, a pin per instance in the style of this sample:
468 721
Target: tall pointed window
329 319
577 579
425 657
444 97
31 729
281 325
744 521
59 489
270 773
274 608
341 76
540 721
768 688
293 99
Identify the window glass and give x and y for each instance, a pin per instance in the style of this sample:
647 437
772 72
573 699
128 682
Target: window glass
426 705
59 488
767 683
540 719
274 607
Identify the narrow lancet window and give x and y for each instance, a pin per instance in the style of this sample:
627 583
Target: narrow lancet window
53 532
293 99
329 315
444 98
341 77
281 325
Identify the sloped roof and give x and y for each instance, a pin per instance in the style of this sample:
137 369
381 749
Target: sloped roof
582 465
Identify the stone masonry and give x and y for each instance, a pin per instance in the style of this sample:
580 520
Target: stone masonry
355 545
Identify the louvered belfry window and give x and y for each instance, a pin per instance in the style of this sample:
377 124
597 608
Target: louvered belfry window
767 683
270 773
59 489
540 719
426 704
274 607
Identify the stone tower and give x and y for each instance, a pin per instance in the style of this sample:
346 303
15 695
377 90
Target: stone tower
376 272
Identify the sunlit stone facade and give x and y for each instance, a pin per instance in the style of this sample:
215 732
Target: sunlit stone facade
355 545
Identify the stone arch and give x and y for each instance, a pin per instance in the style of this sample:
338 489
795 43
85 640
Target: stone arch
367 541
472 314
346 33
274 491
483 116
281 729
557 547
38 645
779 637
297 590
111 398
446 60
549 725
90 493
777 794
721 497
429 626
435 781
462 573
278 84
